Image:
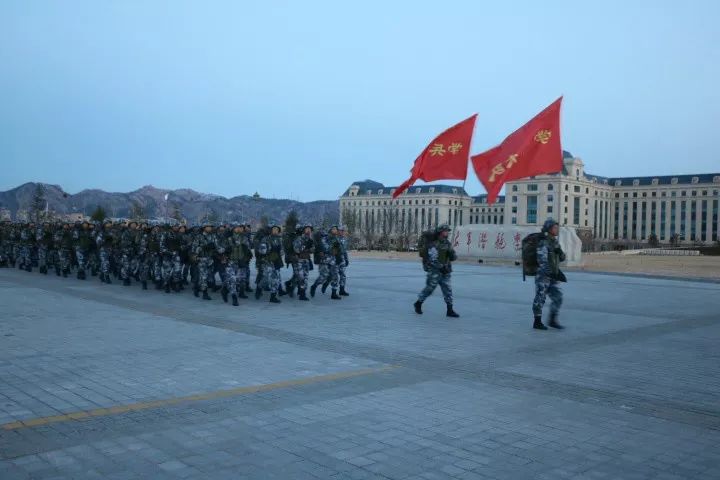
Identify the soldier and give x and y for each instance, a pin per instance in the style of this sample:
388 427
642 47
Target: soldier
65 252
269 253
82 241
549 256
248 241
303 247
43 239
204 249
438 264
238 260
104 242
127 249
328 252
27 243
344 261
93 261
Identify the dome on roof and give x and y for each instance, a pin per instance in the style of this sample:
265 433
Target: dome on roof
567 155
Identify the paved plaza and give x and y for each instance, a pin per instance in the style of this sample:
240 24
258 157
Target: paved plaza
111 382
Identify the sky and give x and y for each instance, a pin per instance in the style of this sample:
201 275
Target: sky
298 99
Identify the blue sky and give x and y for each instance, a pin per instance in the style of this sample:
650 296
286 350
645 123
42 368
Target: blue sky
299 99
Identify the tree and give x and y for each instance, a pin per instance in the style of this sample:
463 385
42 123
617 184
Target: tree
212 216
98 215
653 241
291 222
137 212
38 203
674 240
176 213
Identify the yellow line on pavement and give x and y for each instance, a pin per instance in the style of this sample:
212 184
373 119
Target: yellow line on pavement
101 412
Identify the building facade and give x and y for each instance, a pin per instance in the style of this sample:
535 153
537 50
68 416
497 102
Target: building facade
680 209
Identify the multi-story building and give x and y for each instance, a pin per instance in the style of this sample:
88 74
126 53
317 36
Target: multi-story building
682 208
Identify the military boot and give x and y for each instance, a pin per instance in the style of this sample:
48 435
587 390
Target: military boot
553 321
334 295
57 271
289 288
418 307
312 290
224 293
241 293
258 293
344 292
196 291
538 324
274 299
167 287
324 287
235 300
301 295
126 282
206 296
144 284
451 312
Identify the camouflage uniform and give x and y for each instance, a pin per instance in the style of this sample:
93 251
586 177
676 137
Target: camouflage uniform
549 256
66 247
344 262
104 241
438 264
43 239
269 257
204 249
127 251
239 256
328 254
27 243
303 247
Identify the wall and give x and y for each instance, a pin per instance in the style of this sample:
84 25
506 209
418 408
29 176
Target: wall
504 241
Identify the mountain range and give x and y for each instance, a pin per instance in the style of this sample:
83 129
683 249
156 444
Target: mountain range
150 203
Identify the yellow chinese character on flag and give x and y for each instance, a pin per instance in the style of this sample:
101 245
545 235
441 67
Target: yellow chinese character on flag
497 170
511 160
455 147
437 149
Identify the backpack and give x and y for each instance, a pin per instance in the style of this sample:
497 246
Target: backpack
424 242
529 254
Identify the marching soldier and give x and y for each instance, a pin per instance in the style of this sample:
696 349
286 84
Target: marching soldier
438 263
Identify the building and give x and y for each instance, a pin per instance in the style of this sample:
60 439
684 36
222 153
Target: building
676 208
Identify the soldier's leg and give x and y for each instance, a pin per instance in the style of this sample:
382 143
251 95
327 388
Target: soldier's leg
241 278
541 287
556 298
342 278
431 282
446 288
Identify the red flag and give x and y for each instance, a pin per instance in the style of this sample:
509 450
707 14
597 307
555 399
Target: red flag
445 158
534 149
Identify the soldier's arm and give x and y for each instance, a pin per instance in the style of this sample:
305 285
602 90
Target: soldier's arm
542 259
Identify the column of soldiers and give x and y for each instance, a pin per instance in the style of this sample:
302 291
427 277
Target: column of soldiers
172 258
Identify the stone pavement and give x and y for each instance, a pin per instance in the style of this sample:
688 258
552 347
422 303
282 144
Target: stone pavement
104 381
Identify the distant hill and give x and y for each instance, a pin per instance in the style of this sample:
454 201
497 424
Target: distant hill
191 205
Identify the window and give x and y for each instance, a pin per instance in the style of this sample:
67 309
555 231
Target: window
617 195
576 189
514 220
514 209
532 187
576 211
566 198
514 188
587 191
549 198
550 187
634 194
549 209
694 193
566 187
654 194
514 199
625 195
644 194
532 209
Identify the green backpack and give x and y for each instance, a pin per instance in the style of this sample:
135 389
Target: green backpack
529 254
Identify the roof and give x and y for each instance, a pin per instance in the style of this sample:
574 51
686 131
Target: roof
665 179
371 187
483 199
